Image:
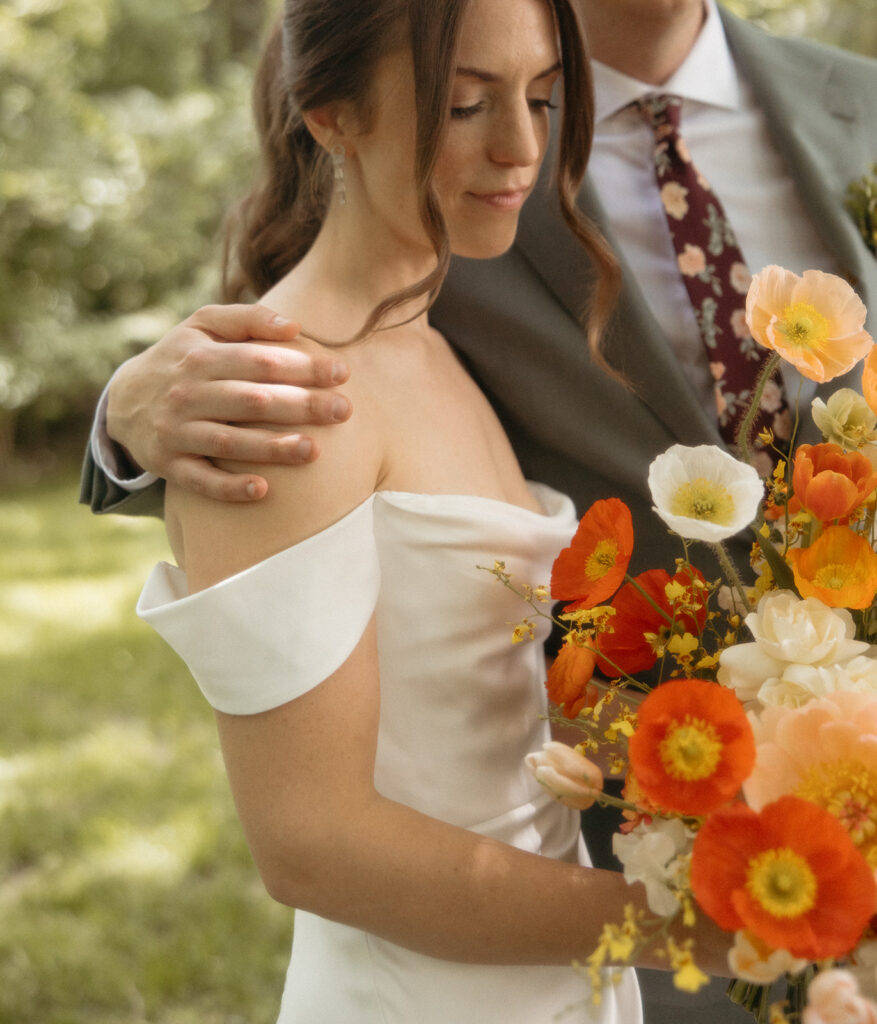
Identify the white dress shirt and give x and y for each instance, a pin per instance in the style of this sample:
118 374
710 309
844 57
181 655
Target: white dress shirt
730 145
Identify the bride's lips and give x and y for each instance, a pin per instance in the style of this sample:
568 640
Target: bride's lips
507 199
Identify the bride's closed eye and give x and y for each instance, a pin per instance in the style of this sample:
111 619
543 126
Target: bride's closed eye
476 108
462 112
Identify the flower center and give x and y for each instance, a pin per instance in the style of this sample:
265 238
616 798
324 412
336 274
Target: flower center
848 790
782 882
803 325
704 499
691 750
601 559
835 576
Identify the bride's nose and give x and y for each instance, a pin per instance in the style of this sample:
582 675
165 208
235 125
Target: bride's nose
516 137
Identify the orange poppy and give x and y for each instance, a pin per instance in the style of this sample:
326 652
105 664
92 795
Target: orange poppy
693 746
591 569
789 874
569 679
831 483
643 621
839 568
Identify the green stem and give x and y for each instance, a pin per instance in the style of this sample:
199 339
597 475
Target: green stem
731 574
745 429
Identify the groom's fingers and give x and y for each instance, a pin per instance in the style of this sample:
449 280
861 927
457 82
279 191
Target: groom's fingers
202 477
249 444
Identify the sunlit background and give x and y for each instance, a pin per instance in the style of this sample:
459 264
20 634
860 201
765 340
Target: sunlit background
126 891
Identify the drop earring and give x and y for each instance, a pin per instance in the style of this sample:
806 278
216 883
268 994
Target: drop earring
338 156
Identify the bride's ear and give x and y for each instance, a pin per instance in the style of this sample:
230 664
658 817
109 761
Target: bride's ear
331 126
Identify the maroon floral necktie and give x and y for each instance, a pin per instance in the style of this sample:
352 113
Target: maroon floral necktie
716 277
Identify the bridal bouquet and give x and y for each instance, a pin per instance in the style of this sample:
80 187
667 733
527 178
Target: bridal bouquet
750 771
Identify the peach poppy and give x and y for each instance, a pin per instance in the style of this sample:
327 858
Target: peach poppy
839 568
824 752
643 622
569 679
591 569
869 379
831 483
789 874
693 746
815 322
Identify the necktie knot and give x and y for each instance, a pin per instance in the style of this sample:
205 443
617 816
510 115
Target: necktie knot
661 112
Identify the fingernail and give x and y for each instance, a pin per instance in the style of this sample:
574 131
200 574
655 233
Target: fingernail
339 372
304 449
339 408
279 321
251 490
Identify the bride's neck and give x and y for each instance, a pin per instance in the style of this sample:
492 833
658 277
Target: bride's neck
349 270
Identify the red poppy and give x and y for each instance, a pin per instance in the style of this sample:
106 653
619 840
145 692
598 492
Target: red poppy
790 874
591 569
643 621
693 746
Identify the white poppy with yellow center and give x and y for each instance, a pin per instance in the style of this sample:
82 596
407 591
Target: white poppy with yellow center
703 493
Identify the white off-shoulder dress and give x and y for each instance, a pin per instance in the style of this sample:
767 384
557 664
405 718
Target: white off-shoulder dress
460 707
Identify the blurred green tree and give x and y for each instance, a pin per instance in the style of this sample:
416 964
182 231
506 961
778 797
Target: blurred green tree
124 134
848 23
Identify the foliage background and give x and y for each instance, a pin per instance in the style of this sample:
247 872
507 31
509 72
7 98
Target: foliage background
126 892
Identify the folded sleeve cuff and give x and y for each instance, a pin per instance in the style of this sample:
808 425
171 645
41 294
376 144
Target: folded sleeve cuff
276 630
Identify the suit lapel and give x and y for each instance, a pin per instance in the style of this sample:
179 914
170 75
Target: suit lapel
635 343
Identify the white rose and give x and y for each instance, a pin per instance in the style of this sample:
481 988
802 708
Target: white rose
805 632
745 668
750 959
655 854
797 685
833 997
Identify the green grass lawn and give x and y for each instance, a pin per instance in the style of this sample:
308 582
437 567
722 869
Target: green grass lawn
127 893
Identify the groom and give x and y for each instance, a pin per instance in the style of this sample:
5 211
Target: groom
779 128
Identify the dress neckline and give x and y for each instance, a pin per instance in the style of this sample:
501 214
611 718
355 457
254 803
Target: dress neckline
553 503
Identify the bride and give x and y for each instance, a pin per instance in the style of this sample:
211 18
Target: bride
372 711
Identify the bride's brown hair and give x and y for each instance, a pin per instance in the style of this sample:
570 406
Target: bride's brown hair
325 51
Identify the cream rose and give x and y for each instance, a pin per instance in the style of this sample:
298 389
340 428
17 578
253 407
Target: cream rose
805 632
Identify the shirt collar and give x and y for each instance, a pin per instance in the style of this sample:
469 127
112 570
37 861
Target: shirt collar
707 75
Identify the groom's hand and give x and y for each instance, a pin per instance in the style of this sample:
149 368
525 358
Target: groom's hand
216 387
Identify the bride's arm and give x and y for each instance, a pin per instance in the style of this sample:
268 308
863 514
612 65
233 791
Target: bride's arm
325 840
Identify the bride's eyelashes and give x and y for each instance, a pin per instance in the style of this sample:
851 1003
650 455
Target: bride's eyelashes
460 113
463 112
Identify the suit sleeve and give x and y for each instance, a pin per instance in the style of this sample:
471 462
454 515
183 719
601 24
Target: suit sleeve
103 495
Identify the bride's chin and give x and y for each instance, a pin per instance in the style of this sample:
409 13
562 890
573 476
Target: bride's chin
484 248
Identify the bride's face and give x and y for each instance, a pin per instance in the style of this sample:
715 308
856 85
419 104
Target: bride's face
508 64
